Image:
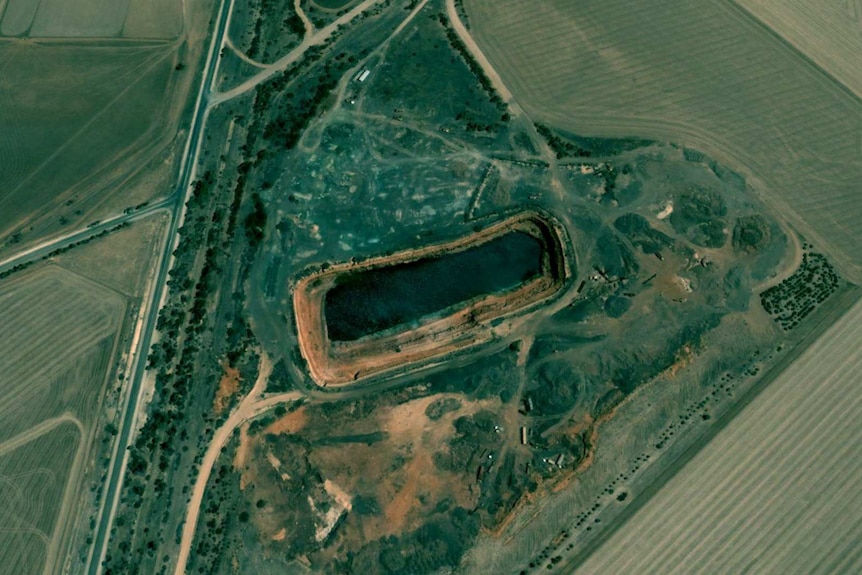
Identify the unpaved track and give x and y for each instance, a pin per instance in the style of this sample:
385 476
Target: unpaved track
242 55
187 171
294 55
497 82
309 27
251 406
38 430
489 70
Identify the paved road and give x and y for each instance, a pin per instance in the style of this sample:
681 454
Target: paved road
177 201
45 248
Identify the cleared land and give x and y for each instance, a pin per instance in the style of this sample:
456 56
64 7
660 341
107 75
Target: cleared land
775 492
58 334
703 74
669 245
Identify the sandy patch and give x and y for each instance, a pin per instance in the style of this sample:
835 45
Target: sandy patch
408 426
400 505
228 386
293 422
666 211
407 422
338 494
341 504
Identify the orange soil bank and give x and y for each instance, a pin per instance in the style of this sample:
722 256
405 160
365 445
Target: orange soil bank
332 363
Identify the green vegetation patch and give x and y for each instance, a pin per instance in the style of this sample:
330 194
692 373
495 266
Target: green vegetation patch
573 146
432 60
437 544
333 4
751 234
440 407
797 296
556 388
640 233
699 214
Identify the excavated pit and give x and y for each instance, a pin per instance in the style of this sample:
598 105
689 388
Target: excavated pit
357 320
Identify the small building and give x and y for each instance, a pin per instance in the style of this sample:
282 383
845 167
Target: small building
523 435
559 461
364 75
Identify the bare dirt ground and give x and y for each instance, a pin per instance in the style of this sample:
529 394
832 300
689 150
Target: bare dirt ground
293 422
227 388
343 363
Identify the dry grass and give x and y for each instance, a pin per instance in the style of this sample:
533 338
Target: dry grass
123 260
702 74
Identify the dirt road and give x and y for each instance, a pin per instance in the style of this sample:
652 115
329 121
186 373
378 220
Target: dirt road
477 53
254 404
316 39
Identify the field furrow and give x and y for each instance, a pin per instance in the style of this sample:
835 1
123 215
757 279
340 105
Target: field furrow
830 33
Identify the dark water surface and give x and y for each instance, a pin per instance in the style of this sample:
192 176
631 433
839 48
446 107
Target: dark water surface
366 302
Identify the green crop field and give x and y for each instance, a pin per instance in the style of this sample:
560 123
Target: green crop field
92 98
97 120
706 75
783 478
91 18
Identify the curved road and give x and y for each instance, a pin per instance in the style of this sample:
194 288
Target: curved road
254 404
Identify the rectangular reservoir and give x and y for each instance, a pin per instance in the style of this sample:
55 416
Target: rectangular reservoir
375 300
